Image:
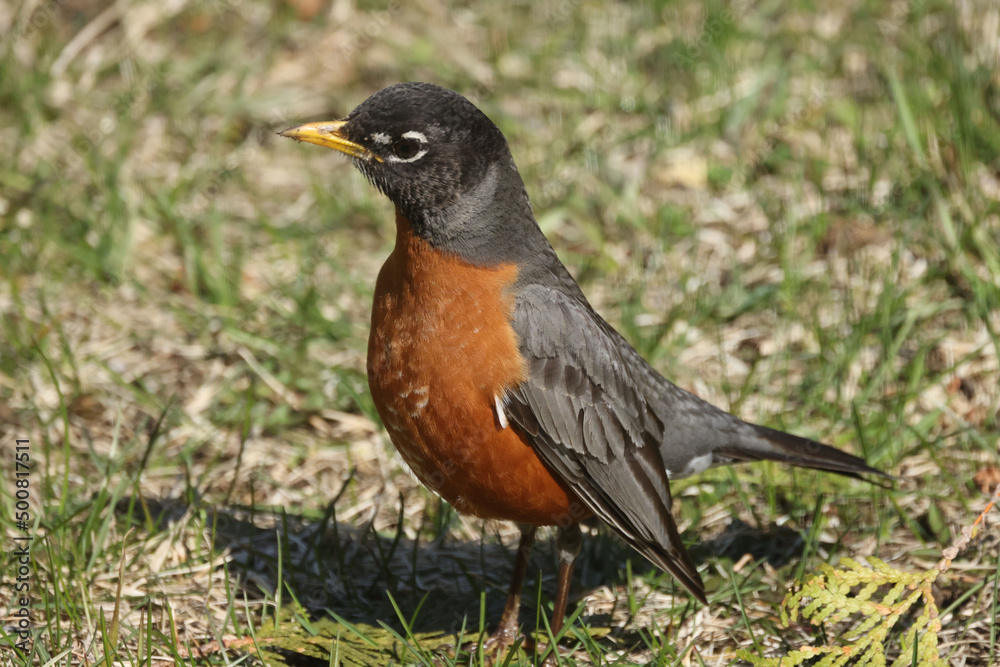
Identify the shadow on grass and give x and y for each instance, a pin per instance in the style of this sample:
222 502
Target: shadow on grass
362 596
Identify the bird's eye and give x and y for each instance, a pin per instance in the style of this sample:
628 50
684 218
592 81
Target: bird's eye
405 148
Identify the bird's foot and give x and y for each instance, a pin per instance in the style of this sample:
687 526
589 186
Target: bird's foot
495 647
499 644
551 656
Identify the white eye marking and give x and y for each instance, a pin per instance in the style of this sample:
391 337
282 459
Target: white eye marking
501 415
413 135
381 138
393 158
419 136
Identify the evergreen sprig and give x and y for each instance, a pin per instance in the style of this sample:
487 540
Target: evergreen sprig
881 596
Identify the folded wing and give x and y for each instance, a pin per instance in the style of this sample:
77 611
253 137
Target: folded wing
590 423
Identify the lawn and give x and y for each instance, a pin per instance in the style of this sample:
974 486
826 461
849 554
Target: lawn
791 209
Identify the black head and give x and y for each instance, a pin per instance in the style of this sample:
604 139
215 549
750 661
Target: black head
441 161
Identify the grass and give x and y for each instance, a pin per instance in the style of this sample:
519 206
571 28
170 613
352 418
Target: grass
790 209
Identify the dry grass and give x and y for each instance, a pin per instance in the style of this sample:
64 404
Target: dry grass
185 302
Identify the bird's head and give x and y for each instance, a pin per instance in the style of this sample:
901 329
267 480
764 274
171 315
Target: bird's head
437 157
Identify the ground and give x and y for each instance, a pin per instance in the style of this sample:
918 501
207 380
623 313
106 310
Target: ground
791 209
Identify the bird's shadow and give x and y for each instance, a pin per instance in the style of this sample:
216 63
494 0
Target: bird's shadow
443 587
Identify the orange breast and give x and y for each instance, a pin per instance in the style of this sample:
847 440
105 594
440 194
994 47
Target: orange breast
441 348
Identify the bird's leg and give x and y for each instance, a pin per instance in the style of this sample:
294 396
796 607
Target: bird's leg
507 632
568 545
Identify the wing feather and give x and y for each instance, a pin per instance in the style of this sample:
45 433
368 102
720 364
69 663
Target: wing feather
589 421
616 430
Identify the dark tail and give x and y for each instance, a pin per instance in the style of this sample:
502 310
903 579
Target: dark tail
775 445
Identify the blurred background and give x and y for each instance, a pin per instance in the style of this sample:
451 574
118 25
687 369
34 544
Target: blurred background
790 208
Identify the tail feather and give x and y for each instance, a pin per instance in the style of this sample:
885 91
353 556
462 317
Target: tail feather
775 445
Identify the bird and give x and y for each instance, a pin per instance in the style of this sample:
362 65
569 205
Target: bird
500 386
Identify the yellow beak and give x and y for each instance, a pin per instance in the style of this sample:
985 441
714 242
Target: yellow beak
329 134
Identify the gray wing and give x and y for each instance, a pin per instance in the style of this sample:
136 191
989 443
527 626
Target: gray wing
590 422
616 431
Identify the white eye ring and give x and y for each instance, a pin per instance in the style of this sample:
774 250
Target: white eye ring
393 158
414 135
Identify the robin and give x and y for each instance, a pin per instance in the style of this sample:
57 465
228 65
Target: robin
499 385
